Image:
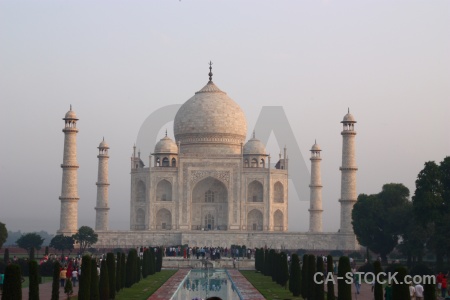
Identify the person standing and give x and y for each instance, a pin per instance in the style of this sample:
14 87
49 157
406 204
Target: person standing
444 286
388 292
74 277
63 276
419 291
357 281
412 292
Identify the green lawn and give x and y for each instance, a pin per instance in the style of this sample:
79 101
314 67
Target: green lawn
146 287
269 289
26 283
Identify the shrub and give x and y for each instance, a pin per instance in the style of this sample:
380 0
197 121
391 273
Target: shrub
378 288
118 271
12 285
104 281
131 268
46 268
84 290
330 283
311 270
110 261
305 283
95 295
123 276
33 290
400 290
284 272
344 288
295 279
68 288
6 256
55 282
320 293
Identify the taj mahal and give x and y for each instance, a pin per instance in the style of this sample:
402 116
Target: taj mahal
210 186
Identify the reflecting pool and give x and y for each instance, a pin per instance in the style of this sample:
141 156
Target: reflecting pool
201 284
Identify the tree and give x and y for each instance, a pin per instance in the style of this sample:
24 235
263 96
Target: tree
305 282
62 242
145 264
378 220
320 293
110 261
84 290
55 282
400 290
68 288
6 256
118 272
311 271
330 283
295 279
344 288
3 234
104 281
123 276
378 288
284 272
29 241
12 285
85 237
131 268
33 290
95 295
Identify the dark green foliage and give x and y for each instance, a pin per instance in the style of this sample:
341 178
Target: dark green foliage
118 272
305 283
110 261
46 268
62 242
84 290
272 262
138 269
152 264
55 282
366 268
46 251
68 288
3 235
320 293
95 295
32 254
400 290
85 237
295 279
311 270
145 263
131 266
330 283
266 263
344 288
378 292
6 256
33 291
123 271
284 272
276 267
104 281
429 292
12 285
29 241
159 259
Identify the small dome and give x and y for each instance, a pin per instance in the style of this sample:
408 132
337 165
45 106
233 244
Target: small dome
348 118
166 145
103 144
71 114
254 146
315 147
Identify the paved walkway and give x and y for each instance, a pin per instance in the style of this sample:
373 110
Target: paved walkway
45 291
170 286
246 289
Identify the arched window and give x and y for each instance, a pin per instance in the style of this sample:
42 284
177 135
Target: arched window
209 196
165 162
174 162
255 192
261 163
246 163
164 191
158 162
278 192
209 221
254 163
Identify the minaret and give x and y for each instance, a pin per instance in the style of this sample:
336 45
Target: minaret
315 210
348 173
69 191
101 215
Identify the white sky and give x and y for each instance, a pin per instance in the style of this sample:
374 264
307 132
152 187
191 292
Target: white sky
118 61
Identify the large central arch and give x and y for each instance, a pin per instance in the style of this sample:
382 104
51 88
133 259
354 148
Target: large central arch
209 205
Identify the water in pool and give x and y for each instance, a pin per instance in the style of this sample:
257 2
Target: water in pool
201 284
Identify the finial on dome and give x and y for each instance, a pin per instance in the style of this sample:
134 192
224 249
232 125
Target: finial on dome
210 71
70 106
166 132
348 108
103 138
253 133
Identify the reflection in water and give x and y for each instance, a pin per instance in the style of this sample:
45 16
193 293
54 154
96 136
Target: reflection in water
201 284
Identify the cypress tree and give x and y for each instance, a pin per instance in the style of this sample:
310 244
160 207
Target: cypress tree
152 262
55 282
272 263
378 288
104 281
159 259
330 283
138 269
429 291
94 281
131 268
84 290
110 261
12 285
344 288
32 253
320 293
295 279
311 270
68 288
33 290
400 290
305 283
266 263
145 262
284 272
6 256
123 271
118 272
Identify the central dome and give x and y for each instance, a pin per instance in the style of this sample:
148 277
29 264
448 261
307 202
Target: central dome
211 121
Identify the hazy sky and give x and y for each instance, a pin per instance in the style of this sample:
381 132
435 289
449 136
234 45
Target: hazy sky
118 61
